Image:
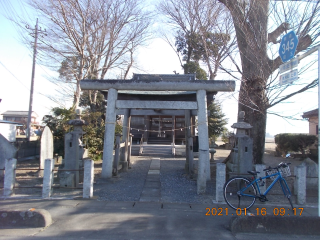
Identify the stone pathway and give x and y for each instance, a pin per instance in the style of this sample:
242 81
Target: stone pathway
152 187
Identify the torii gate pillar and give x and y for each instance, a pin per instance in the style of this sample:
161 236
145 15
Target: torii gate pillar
204 161
110 126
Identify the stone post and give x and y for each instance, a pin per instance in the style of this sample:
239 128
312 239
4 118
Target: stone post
301 179
187 135
116 155
173 135
129 151
190 164
10 176
46 148
141 146
110 125
204 161
259 168
88 178
220 181
47 178
124 150
7 151
146 128
77 157
193 126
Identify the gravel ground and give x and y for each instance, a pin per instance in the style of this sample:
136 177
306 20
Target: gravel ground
127 186
177 187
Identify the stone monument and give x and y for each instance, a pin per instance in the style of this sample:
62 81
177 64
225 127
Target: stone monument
7 151
74 152
241 158
46 144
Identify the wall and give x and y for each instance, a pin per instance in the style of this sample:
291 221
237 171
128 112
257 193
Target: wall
8 131
313 123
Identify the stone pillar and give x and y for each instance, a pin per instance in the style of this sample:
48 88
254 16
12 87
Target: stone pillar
129 151
116 155
7 151
187 135
191 167
193 126
220 181
110 125
173 145
301 184
88 178
77 157
146 128
46 147
204 161
10 176
129 140
262 186
159 129
124 150
71 156
47 178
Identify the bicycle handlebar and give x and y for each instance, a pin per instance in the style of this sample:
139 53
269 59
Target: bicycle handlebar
279 166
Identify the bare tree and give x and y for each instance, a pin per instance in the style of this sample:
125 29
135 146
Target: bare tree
89 38
252 19
203 31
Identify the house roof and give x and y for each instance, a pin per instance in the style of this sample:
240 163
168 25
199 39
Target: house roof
311 113
19 113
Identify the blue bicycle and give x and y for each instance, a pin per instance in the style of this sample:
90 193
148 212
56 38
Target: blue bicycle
241 192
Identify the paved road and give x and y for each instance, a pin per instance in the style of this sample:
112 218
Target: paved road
91 219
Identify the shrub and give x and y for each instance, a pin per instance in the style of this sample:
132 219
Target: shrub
94 131
294 142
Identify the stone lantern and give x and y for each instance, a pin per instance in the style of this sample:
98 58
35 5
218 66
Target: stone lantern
241 159
74 152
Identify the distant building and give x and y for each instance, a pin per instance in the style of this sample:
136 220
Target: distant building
20 117
313 119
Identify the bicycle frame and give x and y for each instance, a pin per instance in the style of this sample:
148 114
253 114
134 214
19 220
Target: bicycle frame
278 178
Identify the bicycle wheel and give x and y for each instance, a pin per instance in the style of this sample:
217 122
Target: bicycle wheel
232 193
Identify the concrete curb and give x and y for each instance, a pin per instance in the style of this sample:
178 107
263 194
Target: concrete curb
276 224
32 218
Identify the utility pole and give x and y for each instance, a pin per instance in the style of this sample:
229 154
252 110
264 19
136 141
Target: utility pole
36 31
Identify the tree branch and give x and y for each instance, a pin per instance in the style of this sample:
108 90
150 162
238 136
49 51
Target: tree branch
310 85
272 37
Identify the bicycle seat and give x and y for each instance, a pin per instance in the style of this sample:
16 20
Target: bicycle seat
253 172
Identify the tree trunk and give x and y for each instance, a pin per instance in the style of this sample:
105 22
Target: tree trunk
255 69
76 99
253 102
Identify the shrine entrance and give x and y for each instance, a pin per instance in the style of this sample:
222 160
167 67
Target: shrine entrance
154 98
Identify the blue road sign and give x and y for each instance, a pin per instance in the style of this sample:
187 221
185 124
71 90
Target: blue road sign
288 46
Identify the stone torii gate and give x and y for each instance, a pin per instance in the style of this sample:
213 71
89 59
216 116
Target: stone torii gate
201 88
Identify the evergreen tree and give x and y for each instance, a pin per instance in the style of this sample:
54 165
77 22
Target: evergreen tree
216 120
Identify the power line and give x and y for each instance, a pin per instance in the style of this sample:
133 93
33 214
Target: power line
22 82
14 75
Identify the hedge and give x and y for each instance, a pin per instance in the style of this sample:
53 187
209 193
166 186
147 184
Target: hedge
287 142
